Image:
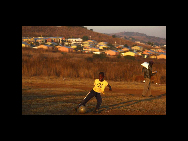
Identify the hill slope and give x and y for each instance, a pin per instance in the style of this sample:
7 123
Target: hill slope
136 36
72 31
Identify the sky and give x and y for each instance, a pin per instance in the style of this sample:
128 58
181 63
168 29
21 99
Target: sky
158 31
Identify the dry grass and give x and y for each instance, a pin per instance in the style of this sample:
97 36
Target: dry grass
73 65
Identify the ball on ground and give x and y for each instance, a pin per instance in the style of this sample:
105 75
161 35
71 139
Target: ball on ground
82 109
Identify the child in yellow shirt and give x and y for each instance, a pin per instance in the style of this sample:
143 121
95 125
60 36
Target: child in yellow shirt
99 87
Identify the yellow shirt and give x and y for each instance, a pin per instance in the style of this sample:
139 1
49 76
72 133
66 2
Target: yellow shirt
100 86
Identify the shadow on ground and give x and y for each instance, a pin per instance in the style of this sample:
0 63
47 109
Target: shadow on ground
128 103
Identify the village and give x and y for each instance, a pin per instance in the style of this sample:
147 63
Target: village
91 46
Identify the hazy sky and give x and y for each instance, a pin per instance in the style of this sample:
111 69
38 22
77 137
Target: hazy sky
158 31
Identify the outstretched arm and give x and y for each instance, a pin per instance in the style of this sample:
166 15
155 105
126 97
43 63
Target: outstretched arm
110 88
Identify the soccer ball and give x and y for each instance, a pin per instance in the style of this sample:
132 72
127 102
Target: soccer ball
81 109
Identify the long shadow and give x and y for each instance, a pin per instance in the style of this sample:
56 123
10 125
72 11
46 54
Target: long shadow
131 102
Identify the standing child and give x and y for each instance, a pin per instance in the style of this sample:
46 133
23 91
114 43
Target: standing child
147 69
99 87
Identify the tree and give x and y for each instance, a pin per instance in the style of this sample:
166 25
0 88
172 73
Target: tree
113 36
150 43
125 45
85 38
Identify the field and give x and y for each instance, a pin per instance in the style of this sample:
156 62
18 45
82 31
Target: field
75 65
55 83
58 96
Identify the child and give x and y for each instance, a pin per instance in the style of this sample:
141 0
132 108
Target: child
147 69
99 87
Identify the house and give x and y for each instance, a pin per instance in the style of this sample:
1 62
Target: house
102 46
102 43
97 52
129 53
119 47
32 40
139 53
24 39
51 43
24 44
137 42
58 46
145 54
44 47
90 49
137 48
161 56
55 39
48 40
152 56
93 42
94 49
89 43
65 49
125 49
39 39
75 40
73 45
112 52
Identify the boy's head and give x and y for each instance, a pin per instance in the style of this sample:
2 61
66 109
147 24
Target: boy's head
151 63
101 76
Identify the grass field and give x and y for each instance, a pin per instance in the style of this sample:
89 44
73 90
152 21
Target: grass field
59 96
80 65
54 84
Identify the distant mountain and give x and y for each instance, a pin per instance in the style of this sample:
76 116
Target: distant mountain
143 38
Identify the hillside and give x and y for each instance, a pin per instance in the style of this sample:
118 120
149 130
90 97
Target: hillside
136 36
72 31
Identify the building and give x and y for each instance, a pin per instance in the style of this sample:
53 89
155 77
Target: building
65 49
112 52
24 44
44 47
137 48
145 54
103 46
56 39
39 39
75 40
137 42
73 45
161 56
125 49
97 52
90 49
89 43
129 53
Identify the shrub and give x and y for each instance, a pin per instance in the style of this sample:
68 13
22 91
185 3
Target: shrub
129 57
99 56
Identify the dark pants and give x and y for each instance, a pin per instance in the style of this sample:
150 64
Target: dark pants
91 94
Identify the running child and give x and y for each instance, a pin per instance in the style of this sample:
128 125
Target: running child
98 89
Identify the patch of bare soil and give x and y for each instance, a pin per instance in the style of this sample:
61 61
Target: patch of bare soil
56 97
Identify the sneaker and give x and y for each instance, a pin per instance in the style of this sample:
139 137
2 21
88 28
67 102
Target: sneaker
96 111
76 108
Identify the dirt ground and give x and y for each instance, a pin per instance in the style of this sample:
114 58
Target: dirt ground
59 96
